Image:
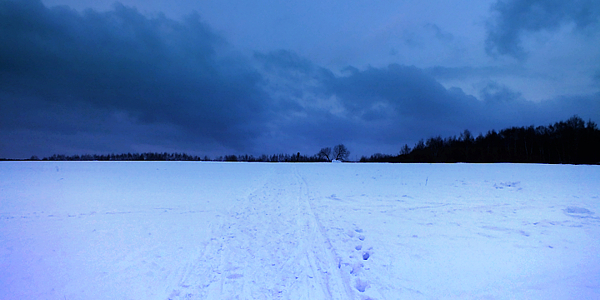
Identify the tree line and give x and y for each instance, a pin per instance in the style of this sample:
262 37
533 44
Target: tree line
340 152
156 156
566 142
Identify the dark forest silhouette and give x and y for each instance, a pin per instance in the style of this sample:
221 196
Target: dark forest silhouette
155 156
566 142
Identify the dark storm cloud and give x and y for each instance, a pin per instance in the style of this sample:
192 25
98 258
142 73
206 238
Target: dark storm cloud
406 90
399 104
377 106
119 81
156 70
515 17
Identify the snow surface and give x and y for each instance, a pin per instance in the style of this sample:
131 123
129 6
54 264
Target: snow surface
184 230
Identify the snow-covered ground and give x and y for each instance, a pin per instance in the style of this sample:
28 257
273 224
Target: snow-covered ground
183 230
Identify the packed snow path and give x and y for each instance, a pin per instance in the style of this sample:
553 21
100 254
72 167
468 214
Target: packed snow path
172 230
269 245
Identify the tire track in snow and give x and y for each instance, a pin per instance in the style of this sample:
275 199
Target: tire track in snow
269 246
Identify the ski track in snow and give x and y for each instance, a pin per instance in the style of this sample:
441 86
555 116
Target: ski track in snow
298 231
270 246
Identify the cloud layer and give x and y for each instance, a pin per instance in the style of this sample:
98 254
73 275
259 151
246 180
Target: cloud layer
151 70
118 81
515 18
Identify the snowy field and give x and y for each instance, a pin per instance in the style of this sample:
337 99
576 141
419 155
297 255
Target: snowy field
185 230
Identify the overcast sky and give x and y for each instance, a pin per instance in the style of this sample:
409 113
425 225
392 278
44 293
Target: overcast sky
218 77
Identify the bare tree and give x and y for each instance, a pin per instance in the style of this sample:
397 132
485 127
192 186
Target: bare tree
325 153
340 152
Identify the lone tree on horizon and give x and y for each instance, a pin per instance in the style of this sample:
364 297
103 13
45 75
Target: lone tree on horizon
325 153
340 152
